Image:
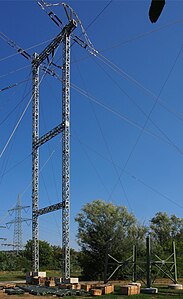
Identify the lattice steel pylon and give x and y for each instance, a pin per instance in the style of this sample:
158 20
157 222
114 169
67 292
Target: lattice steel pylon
64 127
37 61
17 221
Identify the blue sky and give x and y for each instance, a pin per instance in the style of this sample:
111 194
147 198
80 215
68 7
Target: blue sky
126 121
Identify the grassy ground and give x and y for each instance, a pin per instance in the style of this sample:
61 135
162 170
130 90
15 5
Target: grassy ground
143 296
162 285
11 275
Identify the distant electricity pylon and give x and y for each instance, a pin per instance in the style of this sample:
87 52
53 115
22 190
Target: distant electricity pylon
4 239
17 221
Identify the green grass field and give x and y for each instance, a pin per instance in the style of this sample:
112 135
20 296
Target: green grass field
11 275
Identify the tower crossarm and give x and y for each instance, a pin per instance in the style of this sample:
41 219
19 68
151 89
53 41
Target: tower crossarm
49 209
18 208
15 220
15 46
55 42
49 135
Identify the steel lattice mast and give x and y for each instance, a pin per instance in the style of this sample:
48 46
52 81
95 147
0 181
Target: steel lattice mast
66 156
62 37
35 163
64 127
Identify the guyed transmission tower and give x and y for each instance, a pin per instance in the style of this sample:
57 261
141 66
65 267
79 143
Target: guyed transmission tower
38 62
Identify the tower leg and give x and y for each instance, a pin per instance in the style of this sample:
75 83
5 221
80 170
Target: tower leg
134 263
148 248
66 157
175 262
35 164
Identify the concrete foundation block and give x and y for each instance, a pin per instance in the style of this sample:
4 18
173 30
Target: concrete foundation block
149 290
175 286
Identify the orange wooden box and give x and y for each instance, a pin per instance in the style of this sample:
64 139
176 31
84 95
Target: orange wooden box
130 290
107 289
96 292
86 287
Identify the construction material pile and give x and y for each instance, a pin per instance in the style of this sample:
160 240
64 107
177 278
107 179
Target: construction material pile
43 290
14 291
61 289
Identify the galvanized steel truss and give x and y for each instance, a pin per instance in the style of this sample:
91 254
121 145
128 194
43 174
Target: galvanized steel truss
64 127
66 156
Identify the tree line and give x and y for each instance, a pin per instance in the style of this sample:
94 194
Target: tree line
104 228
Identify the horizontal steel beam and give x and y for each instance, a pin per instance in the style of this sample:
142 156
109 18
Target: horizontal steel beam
49 209
21 220
49 135
55 43
18 208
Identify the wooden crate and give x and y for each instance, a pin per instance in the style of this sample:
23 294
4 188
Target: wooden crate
86 287
38 281
138 284
106 289
96 292
75 286
50 283
64 286
130 290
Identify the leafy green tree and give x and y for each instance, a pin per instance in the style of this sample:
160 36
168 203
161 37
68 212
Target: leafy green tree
105 228
57 257
164 230
45 253
75 266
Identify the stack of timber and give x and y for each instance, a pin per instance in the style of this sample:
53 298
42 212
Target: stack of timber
107 289
130 290
86 287
138 284
7 286
50 282
70 286
103 289
96 292
38 280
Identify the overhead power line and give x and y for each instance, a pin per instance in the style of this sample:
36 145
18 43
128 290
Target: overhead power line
14 71
21 117
131 175
143 112
106 144
98 15
147 119
13 85
19 49
117 113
